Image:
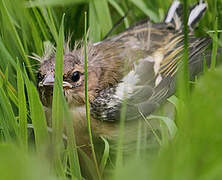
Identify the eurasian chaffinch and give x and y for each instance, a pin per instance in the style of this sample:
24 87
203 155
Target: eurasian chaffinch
137 66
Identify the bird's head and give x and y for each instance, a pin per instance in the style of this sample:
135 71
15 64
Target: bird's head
73 79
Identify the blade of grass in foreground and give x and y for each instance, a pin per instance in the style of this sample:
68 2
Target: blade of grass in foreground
87 103
120 142
57 105
183 75
59 113
71 142
22 109
37 116
198 144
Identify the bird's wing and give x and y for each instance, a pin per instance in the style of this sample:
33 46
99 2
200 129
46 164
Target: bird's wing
147 98
146 58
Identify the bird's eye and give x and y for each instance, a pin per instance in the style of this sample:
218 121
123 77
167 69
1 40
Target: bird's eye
75 76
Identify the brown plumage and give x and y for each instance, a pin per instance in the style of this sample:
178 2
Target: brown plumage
138 65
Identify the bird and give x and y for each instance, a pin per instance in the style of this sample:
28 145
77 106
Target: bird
137 67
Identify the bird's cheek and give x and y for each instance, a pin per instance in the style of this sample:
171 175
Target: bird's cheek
68 95
74 98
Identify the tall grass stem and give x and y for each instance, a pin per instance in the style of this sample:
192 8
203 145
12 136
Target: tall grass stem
87 101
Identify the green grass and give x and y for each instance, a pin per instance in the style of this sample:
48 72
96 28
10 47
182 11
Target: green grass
189 149
87 101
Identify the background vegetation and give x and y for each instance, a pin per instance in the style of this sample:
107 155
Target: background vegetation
25 27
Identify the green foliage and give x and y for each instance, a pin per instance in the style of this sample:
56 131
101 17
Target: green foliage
87 102
16 164
57 104
22 109
194 154
190 150
37 116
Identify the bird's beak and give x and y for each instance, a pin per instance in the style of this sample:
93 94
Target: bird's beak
49 81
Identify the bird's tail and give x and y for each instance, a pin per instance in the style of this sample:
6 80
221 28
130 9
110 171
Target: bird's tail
175 14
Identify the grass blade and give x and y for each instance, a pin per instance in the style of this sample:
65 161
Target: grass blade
9 119
71 142
215 46
119 152
175 101
57 104
172 128
22 109
10 89
50 23
105 155
142 6
95 30
7 57
41 23
103 15
185 72
17 38
120 11
37 116
183 75
87 103
39 3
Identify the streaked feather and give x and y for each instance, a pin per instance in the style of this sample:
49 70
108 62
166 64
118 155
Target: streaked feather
158 75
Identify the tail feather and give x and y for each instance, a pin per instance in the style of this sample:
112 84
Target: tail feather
196 13
175 14
171 11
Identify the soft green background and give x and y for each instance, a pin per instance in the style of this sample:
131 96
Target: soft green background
194 153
